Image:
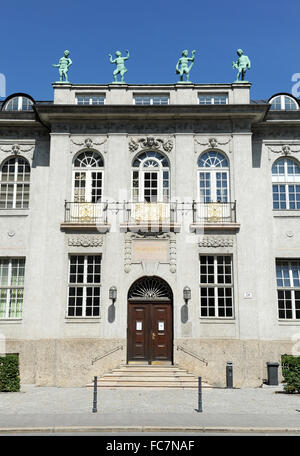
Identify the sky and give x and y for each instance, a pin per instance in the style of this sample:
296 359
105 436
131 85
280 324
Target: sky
35 33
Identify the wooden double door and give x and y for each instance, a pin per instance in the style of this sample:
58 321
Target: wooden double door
150 331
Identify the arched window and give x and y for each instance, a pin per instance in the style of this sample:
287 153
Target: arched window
14 183
19 103
88 177
150 178
283 103
286 184
213 177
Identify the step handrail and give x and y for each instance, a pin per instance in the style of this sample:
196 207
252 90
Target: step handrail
179 347
120 347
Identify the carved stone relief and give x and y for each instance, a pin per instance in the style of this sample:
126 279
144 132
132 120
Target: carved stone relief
283 149
151 142
129 237
215 242
85 241
24 148
88 142
215 142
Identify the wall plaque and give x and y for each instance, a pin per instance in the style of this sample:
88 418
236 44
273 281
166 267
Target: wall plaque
150 250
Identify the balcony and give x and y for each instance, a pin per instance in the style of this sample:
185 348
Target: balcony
140 216
86 216
214 216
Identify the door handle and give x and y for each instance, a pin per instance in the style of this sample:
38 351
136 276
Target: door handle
153 336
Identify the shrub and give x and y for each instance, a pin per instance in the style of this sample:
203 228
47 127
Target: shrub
291 373
9 373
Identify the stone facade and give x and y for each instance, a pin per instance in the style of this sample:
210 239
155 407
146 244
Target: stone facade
58 349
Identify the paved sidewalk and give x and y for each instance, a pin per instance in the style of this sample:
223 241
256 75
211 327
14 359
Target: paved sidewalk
72 407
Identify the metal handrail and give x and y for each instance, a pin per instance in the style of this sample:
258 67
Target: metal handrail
120 347
179 347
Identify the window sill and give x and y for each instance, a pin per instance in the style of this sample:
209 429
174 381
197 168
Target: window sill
10 320
82 319
286 213
217 320
289 322
14 212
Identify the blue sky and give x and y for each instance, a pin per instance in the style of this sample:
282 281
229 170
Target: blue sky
34 35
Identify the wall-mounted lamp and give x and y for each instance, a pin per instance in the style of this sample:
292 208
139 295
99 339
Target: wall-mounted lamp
113 293
187 294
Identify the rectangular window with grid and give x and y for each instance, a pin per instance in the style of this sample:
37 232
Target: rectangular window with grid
288 289
12 272
151 100
89 99
216 286
84 286
209 99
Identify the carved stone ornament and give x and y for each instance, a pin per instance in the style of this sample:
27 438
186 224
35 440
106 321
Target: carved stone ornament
85 241
212 143
215 242
129 237
150 142
284 149
23 148
88 142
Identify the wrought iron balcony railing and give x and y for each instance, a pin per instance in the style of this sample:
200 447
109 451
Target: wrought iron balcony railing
214 212
86 213
142 212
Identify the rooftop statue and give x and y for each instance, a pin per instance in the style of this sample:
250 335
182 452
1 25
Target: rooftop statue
242 65
183 66
64 63
121 69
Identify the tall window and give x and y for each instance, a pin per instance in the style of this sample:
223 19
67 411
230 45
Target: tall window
216 286
84 286
88 177
213 177
286 184
150 178
11 287
14 183
288 288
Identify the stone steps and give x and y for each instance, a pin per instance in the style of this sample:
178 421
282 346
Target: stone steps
148 376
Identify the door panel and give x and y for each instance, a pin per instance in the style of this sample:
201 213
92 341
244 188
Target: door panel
162 340
150 335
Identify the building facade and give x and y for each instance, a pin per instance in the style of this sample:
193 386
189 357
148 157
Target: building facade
149 224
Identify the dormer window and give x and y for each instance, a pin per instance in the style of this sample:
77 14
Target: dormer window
283 103
19 103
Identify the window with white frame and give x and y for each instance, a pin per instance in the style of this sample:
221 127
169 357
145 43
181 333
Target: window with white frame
90 99
84 286
209 99
14 183
12 272
286 184
283 103
19 103
216 286
213 177
150 178
151 99
288 288
88 177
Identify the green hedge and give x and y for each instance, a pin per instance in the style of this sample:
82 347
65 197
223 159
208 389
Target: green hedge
9 373
291 373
